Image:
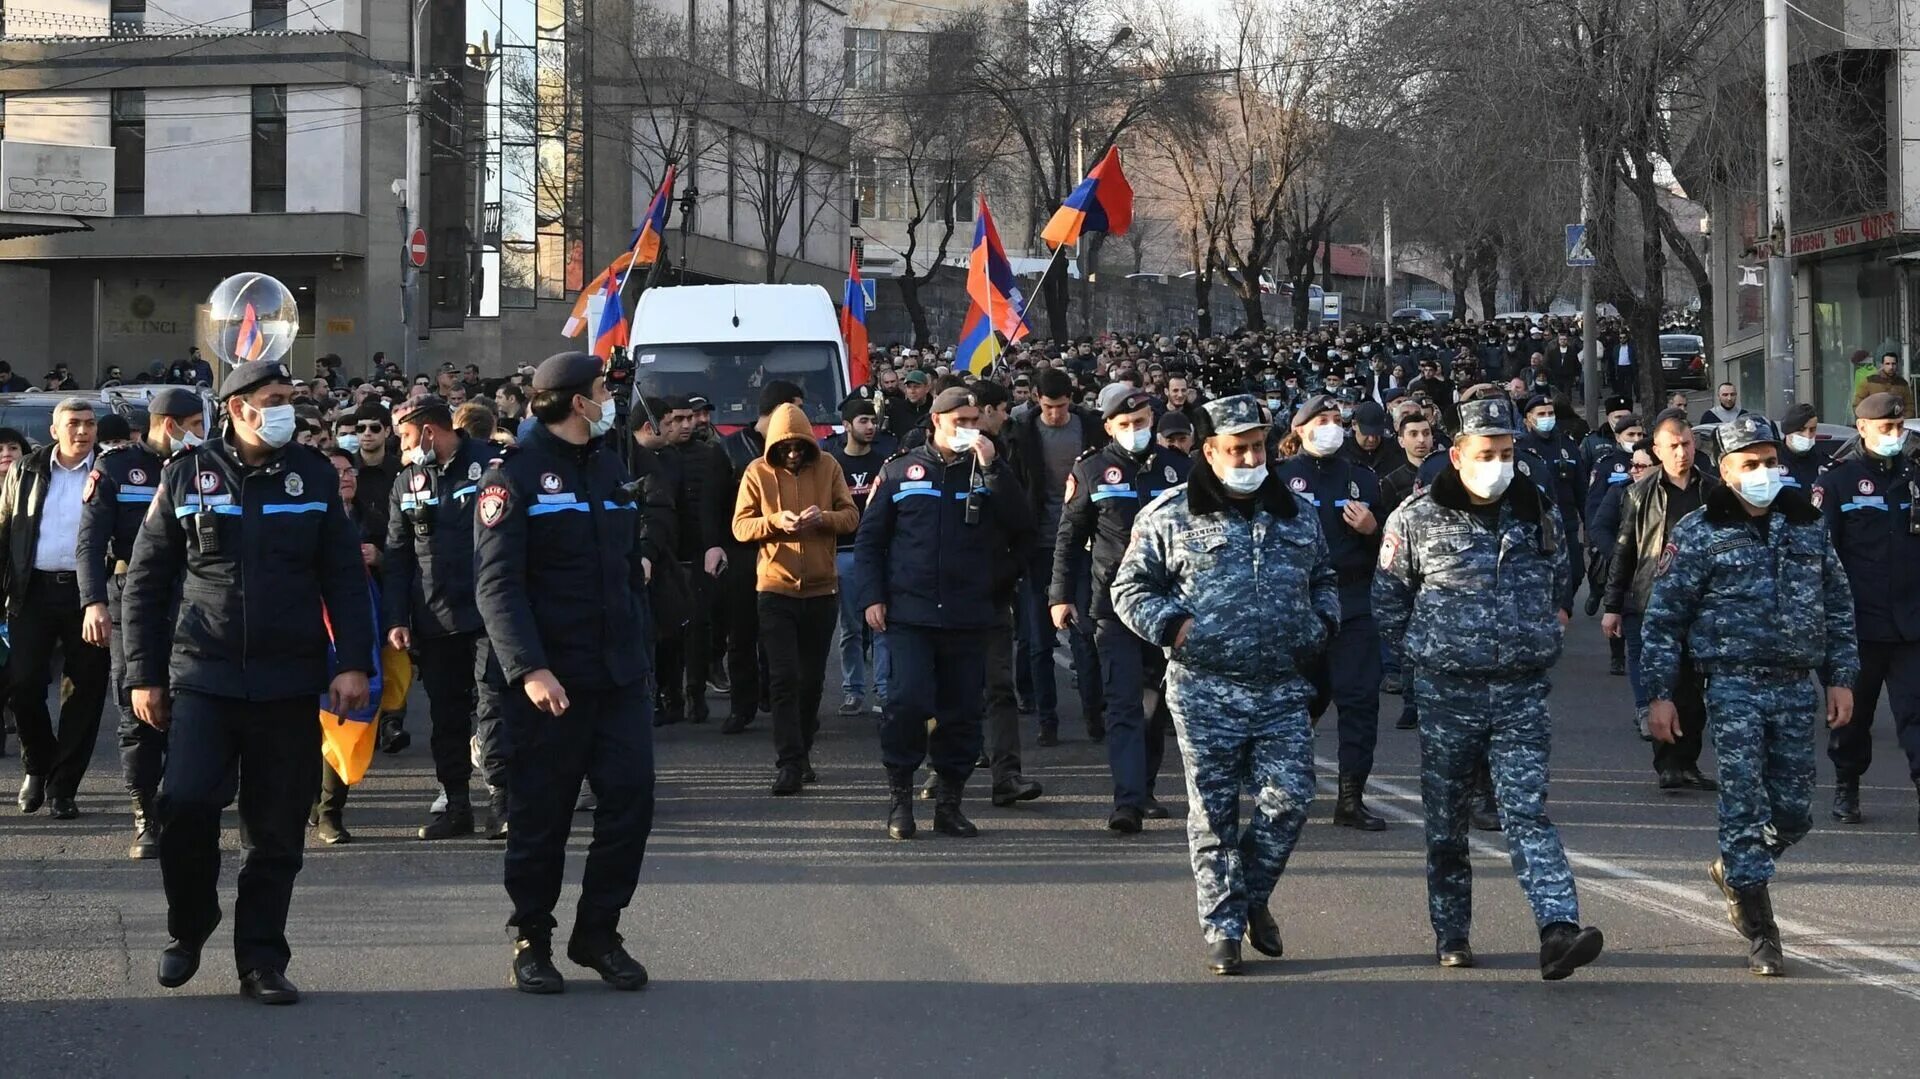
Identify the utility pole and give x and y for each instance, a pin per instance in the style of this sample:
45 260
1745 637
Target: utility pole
410 277
1589 320
1780 366
1386 244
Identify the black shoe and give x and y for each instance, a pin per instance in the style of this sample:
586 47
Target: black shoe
610 961
1024 708
1672 780
62 807
268 987
495 826
947 818
533 969
179 962
146 838
1049 737
900 824
1016 789
33 793
1223 957
456 821
1454 953
393 736
1391 684
853 705
669 715
1408 721
1350 811
1125 820
1264 933
1153 810
931 788
1846 801
1694 781
1617 665
697 711
1565 948
1764 956
331 831
1097 731
807 774
1484 813
718 682
735 724
785 783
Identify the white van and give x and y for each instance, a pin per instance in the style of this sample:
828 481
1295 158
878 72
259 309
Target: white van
724 342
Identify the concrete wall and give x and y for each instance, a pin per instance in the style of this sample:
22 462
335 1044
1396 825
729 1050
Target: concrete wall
24 295
323 149
199 151
75 119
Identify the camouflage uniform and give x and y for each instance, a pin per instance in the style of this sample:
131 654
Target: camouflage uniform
1473 614
1264 599
1758 610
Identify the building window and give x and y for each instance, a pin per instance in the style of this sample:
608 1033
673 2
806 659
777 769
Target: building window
863 178
129 133
127 16
269 14
269 149
866 60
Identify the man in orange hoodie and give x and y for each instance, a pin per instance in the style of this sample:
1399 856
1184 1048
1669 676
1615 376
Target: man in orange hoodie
793 501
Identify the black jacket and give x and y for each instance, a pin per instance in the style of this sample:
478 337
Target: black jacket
558 540
119 490
1030 455
427 576
1107 489
704 499
1869 505
263 560
1644 529
21 498
742 448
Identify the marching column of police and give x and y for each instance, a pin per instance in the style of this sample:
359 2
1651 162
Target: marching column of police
1234 598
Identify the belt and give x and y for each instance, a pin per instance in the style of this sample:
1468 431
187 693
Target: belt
63 576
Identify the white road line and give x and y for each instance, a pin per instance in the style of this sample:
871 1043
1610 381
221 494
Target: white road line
1631 886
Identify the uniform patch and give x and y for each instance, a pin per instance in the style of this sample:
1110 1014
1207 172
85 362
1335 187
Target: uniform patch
473 471
1389 550
1819 496
295 485
549 482
916 472
1172 476
418 482
1073 485
209 482
137 476
1111 475
1666 559
93 480
1524 470
1866 487
493 505
1298 483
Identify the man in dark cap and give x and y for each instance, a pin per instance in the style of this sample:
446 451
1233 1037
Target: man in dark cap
1801 453
1753 591
118 494
1175 432
1566 484
1469 592
561 583
249 532
1874 519
1370 446
910 410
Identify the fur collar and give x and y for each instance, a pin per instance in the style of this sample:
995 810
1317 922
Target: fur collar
1205 494
1723 507
1521 496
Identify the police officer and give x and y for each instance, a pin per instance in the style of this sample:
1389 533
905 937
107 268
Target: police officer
944 534
1343 493
1872 505
118 493
429 603
1801 452
248 531
1105 491
1230 574
1567 482
1469 590
1603 441
561 584
1751 587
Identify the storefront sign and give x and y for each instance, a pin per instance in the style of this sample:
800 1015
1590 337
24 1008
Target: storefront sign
339 325
45 178
1864 230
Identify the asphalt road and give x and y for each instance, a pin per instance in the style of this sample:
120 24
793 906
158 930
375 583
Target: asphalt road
792 937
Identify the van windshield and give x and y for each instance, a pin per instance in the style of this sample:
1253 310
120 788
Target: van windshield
730 375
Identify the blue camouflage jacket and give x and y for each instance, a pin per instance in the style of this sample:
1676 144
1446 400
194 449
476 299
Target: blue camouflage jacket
1260 588
1739 599
1456 598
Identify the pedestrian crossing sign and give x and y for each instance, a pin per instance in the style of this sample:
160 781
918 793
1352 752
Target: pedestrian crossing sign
1579 251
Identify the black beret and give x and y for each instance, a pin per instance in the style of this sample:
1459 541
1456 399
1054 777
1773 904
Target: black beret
565 370
113 427
177 402
1538 400
1800 415
1621 425
1880 406
854 407
1313 406
952 398
253 374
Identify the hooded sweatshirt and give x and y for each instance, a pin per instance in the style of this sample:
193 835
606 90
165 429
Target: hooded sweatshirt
799 564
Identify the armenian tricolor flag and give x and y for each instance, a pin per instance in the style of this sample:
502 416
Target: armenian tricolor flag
643 249
990 280
853 324
249 343
609 324
978 347
1102 203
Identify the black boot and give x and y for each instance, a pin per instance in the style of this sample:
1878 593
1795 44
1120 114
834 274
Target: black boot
1350 811
1763 935
146 837
496 822
787 781
1454 952
604 954
1264 933
1565 948
455 820
393 733
900 824
1484 810
1846 800
1223 957
947 818
1717 872
533 969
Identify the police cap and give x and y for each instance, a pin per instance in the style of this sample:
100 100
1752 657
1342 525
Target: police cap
1316 405
1235 415
113 427
1745 432
1539 400
1616 404
253 374
698 403
1880 406
1132 401
1487 416
175 402
565 370
951 398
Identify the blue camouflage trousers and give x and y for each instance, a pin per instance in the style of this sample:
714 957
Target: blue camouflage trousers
1236 738
1762 729
1462 721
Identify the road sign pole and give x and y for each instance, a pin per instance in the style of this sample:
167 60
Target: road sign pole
1589 321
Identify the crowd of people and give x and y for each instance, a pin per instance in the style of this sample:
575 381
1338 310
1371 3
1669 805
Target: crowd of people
1233 536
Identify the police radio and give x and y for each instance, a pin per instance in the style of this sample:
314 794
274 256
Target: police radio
206 532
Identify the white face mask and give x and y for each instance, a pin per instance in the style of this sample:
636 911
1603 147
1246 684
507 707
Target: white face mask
414 456
602 423
1486 479
1760 486
1244 481
350 443
275 426
1799 443
1324 439
185 440
964 439
1135 441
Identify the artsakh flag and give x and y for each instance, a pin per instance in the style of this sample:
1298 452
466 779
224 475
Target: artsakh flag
1102 203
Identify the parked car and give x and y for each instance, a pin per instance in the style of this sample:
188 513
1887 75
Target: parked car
31 413
1683 356
1534 317
1408 315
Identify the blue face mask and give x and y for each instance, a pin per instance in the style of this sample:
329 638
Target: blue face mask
1135 441
1546 424
1760 486
1888 445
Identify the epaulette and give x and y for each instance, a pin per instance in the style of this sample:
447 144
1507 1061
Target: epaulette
1094 452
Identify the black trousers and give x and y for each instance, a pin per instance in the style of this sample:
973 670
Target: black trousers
1134 673
1689 702
1001 705
740 599
447 667
1353 667
939 674
51 618
1895 667
270 752
143 749
606 738
681 663
798 634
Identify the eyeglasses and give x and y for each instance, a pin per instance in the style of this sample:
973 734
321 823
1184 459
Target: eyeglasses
1635 466
368 428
